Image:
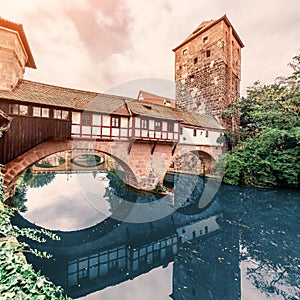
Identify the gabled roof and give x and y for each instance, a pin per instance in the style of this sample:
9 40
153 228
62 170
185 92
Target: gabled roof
205 26
19 28
147 109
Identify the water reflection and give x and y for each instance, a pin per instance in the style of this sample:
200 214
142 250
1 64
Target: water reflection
245 245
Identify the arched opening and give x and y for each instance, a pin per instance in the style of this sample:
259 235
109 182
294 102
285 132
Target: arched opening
12 171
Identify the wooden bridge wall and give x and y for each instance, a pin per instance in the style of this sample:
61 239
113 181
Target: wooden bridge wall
26 132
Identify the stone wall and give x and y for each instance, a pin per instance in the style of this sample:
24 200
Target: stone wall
207 73
13 58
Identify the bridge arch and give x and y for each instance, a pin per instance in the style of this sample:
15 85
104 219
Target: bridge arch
192 160
13 170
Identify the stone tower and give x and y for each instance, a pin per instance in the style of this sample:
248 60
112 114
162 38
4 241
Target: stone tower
208 71
15 54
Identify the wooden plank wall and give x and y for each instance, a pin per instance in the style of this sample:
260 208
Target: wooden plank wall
27 132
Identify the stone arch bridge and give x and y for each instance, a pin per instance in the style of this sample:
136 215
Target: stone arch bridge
145 163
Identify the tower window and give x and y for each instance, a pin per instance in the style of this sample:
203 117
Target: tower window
205 39
184 52
192 78
206 133
195 132
208 53
195 60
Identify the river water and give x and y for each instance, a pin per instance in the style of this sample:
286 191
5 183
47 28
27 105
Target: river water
116 243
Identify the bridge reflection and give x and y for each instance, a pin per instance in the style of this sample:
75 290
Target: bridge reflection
112 252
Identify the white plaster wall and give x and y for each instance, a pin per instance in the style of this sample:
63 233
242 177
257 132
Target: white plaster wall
186 232
187 137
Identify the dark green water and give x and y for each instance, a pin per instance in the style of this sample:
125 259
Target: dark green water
244 245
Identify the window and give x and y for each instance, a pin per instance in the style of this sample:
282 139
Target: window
41 112
184 52
170 127
64 115
158 125
206 133
86 120
115 122
57 114
195 60
60 114
144 124
205 39
206 229
17 109
208 53
195 132
23 110
37 111
13 108
181 130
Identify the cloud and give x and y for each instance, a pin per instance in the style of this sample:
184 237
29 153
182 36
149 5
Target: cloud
96 44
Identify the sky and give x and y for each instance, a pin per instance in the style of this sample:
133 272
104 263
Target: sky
98 45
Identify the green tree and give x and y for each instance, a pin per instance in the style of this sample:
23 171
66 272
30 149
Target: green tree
268 152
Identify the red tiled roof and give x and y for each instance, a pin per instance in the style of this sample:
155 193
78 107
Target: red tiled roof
152 98
19 28
200 120
205 26
138 107
46 94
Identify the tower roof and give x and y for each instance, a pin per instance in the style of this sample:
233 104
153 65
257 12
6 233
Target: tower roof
205 25
19 28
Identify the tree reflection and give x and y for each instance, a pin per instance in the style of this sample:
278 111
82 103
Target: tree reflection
28 179
38 180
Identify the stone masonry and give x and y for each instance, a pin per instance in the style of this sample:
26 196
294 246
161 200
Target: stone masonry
208 71
14 54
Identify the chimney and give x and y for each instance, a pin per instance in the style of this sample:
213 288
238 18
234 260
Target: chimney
15 54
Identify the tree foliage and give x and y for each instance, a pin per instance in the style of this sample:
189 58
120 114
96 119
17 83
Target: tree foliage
268 152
